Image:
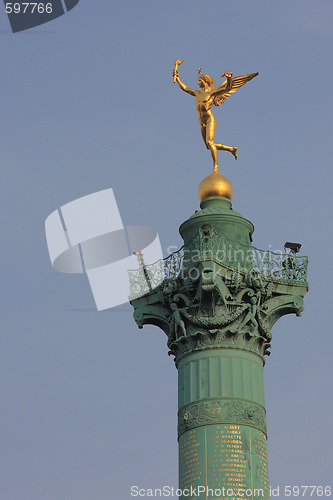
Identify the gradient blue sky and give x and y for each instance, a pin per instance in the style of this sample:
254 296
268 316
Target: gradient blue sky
89 401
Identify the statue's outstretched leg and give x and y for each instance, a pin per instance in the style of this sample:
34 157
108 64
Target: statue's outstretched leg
210 130
209 141
233 150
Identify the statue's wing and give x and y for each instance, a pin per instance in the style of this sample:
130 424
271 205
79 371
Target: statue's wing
222 86
222 94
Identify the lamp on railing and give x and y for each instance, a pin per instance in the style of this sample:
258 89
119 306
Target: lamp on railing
290 262
294 247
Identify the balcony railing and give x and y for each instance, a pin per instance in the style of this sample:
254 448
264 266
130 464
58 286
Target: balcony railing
210 246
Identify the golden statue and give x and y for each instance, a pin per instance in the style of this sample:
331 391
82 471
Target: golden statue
208 96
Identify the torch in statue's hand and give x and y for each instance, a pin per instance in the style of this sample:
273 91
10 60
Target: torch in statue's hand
175 70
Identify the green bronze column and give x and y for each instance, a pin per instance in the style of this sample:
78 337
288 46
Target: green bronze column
221 417
217 299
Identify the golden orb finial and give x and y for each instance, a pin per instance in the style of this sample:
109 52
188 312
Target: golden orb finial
215 185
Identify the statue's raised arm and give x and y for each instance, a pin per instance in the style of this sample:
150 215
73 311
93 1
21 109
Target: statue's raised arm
207 97
178 80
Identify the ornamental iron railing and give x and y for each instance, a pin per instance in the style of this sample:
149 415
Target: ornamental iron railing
208 245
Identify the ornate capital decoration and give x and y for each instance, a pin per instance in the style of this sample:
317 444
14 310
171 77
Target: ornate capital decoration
217 293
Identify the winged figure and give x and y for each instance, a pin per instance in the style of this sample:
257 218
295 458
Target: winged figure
206 97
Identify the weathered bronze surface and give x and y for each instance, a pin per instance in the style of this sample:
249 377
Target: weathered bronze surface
224 456
217 300
206 97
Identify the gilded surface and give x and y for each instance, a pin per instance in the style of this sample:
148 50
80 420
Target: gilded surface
207 97
215 185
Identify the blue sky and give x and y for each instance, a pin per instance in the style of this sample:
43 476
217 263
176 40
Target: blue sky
89 402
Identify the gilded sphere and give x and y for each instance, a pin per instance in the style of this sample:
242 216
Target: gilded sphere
215 185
